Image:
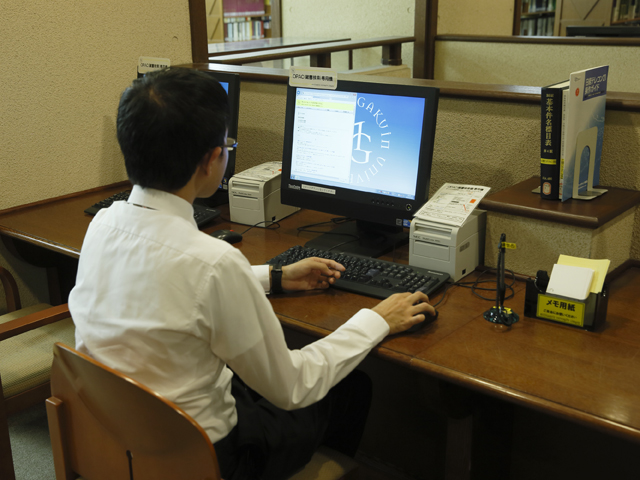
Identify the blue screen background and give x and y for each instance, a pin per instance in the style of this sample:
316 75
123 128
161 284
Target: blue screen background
403 118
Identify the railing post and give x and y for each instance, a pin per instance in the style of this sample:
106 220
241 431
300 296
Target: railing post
425 31
199 40
392 54
321 60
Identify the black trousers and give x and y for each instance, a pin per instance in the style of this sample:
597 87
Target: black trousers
269 443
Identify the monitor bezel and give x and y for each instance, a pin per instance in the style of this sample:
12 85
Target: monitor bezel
350 203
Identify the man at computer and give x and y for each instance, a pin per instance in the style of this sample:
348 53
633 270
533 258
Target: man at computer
185 313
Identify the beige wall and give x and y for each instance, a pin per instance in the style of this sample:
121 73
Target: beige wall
475 17
355 19
533 64
260 123
64 65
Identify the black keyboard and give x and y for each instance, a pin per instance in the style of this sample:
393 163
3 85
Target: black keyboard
370 276
202 215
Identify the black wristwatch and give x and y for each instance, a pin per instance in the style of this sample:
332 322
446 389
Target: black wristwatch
276 279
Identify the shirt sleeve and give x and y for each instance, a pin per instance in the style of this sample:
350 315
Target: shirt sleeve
262 274
247 335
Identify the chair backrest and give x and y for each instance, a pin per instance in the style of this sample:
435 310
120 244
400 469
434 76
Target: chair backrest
105 425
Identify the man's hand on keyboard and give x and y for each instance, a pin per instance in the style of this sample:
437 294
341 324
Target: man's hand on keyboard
310 273
404 310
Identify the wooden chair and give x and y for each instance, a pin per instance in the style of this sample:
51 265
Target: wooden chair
105 425
27 336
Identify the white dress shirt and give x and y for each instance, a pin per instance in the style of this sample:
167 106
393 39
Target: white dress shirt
171 307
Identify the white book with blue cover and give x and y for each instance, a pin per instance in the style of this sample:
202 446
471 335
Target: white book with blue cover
584 131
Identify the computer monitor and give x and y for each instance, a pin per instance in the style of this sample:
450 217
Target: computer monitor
362 151
231 83
603 31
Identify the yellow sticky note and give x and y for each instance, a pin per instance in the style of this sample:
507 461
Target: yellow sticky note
599 267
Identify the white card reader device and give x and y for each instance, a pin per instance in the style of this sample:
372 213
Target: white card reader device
456 250
254 196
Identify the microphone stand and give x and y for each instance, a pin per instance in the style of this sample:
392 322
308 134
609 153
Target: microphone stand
499 313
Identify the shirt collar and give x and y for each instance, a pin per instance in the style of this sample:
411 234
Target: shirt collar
163 201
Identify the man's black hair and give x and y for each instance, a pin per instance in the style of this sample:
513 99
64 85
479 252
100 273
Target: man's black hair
167 121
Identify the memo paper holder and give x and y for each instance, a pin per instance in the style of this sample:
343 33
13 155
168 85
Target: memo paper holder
586 314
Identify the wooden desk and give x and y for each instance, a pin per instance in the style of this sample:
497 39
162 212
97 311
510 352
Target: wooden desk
584 377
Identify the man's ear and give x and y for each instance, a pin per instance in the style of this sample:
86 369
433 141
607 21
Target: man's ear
210 158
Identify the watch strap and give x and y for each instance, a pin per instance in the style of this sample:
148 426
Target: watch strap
276 279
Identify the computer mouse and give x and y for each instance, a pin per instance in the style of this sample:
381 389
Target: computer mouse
227 235
426 321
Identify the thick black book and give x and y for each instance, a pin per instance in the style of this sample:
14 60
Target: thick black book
550 139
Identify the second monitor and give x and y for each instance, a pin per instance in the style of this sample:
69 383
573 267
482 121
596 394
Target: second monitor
363 151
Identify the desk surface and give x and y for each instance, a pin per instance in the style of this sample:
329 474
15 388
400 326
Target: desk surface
589 377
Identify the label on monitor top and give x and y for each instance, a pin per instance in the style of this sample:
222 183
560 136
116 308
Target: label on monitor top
313 77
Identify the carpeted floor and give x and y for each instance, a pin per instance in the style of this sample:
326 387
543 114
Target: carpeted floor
32 458
30 444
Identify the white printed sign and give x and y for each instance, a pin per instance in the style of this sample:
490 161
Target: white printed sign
149 64
313 77
452 204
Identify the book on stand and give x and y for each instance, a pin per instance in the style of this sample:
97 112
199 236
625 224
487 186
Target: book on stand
582 132
550 138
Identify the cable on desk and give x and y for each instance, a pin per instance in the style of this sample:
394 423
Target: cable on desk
474 287
263 221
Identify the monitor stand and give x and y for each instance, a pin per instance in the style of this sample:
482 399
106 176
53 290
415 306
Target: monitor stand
362 238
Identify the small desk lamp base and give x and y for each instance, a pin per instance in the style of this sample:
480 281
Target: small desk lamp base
501 315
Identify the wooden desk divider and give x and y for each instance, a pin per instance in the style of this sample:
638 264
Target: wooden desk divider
588 314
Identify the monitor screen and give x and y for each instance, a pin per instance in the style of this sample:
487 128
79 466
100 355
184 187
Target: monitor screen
362 151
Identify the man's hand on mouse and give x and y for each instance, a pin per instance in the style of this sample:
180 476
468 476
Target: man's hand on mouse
404 310
310 274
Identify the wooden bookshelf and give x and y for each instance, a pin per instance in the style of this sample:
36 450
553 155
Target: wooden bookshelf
535 18
625 12
242 20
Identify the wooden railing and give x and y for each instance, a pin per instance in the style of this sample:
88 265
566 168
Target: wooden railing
321 53
621 101
264 44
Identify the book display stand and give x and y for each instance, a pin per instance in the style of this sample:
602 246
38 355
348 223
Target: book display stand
586 139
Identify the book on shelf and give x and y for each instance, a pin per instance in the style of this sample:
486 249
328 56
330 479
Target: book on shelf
243 8
624 9
550 138
582 133
238 29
